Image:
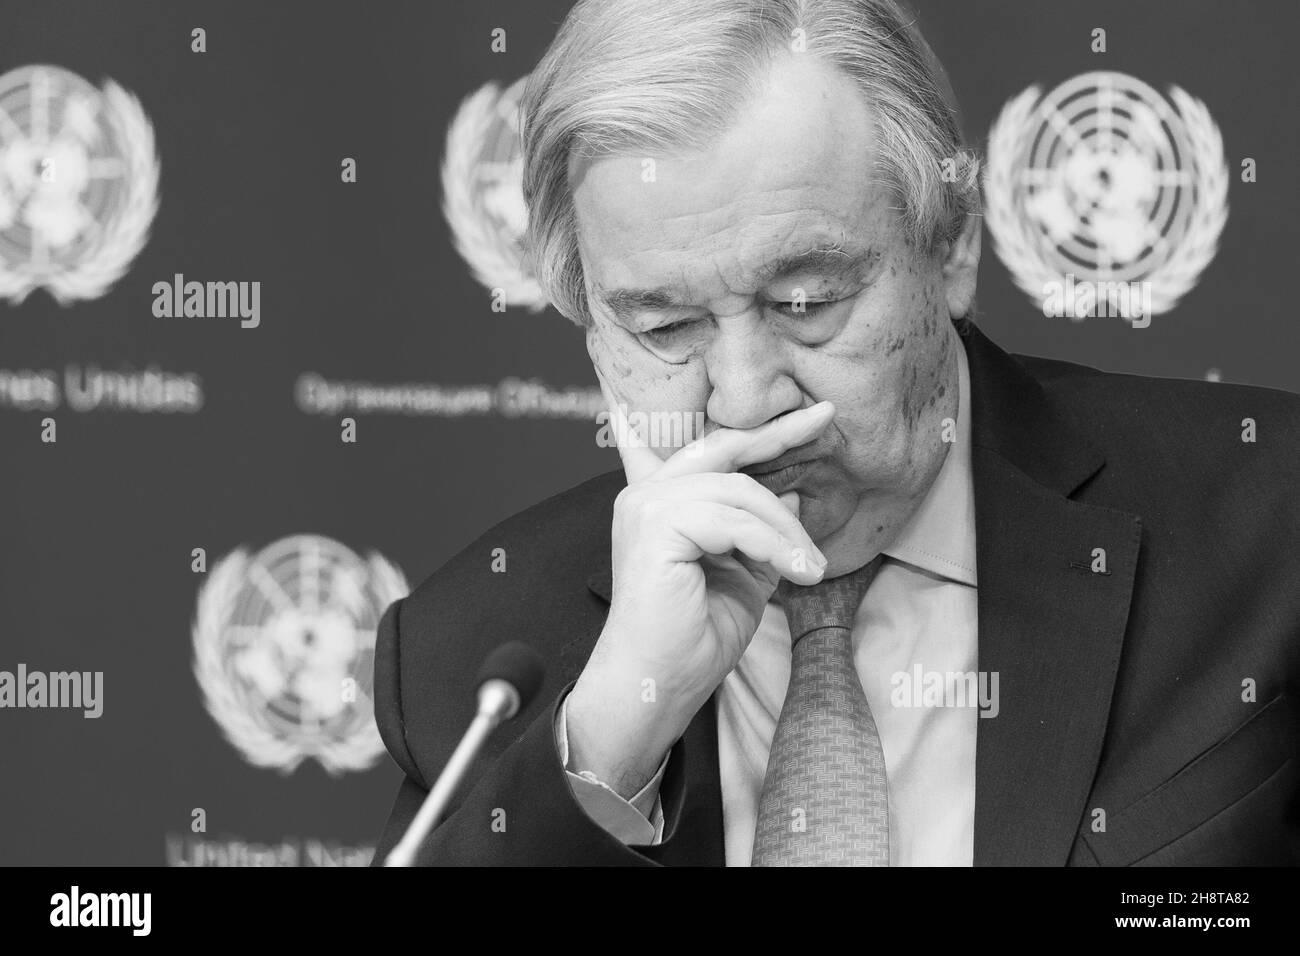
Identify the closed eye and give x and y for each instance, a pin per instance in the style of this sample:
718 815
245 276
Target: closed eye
794 310
664 332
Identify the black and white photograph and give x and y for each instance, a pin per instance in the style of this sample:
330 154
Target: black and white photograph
564 434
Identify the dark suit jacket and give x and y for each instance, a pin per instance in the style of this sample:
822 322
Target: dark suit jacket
1121 691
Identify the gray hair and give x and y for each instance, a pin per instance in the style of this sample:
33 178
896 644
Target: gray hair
635 75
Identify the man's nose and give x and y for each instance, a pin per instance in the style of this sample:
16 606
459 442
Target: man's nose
747 366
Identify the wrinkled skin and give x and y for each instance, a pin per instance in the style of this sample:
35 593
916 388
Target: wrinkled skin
793 172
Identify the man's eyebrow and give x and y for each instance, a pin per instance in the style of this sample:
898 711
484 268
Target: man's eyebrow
833 260
626 303
836 260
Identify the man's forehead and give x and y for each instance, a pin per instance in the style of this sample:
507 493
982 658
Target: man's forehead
791 185
805 132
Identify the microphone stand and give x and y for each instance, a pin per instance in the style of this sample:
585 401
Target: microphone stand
498 701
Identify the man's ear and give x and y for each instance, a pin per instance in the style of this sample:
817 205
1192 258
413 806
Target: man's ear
961 264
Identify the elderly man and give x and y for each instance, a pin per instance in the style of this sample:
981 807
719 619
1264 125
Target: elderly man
908 599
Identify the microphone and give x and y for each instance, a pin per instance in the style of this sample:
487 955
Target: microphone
507 683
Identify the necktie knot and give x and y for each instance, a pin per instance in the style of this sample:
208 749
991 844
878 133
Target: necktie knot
829 603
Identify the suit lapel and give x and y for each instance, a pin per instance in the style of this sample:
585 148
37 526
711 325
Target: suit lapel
1050 626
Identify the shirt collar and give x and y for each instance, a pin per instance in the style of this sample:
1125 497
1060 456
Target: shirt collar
940 535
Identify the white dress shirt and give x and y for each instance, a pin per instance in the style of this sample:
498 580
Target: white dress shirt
919 613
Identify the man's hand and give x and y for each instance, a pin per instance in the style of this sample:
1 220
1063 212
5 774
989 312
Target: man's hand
697 551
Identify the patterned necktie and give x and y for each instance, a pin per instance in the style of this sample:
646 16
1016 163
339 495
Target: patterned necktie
824 800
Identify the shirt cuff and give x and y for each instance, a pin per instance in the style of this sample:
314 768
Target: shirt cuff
635 822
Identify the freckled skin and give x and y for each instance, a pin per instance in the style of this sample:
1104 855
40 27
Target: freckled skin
793 170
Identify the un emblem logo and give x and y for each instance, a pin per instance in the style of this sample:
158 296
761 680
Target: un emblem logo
1105 181
284 650
483 195
78 184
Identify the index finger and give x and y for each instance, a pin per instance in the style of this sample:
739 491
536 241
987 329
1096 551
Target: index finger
639 462
730 449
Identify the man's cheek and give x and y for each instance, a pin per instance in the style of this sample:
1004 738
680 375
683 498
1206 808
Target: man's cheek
871 447
612 358
667 414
